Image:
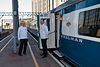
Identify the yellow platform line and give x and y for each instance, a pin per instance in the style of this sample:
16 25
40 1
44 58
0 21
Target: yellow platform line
33 56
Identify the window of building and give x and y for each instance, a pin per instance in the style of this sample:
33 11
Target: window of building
89 23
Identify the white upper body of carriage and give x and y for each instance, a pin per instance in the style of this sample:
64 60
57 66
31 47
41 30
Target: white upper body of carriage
70 24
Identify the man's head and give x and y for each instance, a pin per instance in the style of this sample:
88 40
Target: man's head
42 21
23 23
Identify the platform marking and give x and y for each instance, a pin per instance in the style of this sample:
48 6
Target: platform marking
6 45
5 38
33 56
52 56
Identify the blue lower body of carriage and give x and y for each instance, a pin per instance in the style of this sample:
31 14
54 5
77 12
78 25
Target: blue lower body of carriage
85 54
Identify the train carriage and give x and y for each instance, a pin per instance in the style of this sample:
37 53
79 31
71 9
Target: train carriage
77 32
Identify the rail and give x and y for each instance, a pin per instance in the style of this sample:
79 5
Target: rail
5 33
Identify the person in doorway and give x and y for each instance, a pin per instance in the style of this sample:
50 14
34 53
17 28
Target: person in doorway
44 37
22 37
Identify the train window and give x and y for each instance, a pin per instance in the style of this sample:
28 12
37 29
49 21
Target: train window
89 23
48 24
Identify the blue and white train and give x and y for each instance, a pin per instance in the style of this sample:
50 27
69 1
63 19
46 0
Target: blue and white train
74 29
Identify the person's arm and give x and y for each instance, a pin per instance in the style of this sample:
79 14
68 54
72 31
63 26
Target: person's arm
27 31
46 28
18 33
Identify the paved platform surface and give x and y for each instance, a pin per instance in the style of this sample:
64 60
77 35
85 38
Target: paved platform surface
9 59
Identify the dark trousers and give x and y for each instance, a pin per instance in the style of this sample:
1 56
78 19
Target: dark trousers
44 45
23 46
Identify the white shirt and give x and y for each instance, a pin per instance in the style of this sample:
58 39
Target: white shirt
44 31
22 32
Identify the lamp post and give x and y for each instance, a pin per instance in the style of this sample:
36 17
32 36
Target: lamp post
15 23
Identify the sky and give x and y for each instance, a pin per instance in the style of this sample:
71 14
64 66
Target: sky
6 6
24 5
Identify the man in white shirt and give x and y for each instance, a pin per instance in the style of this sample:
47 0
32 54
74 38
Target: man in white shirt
44 37
22 36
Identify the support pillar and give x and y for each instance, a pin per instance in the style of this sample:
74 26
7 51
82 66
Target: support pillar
15 23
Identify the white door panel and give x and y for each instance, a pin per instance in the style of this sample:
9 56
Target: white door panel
51 39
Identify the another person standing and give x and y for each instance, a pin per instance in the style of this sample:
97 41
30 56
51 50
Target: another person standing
22 36
44 37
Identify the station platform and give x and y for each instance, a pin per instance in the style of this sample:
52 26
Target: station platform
31 59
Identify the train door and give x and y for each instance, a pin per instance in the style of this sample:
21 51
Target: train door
58 20
50 22
51 39
57 29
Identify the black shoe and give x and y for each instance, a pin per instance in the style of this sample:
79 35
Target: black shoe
44 56
20 54
24 53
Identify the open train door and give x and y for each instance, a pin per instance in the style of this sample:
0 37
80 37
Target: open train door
50 22
51 39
